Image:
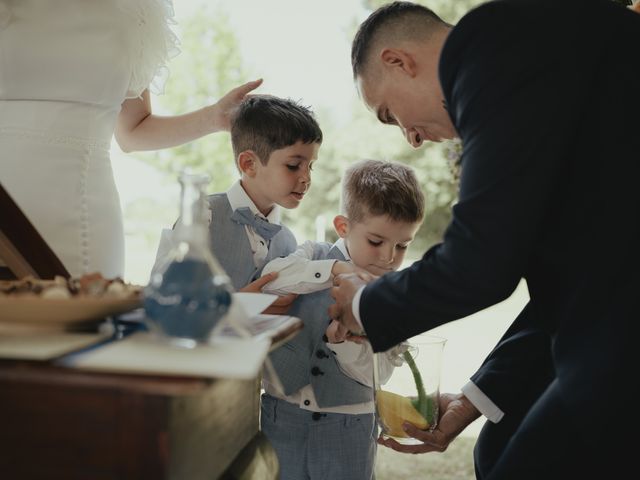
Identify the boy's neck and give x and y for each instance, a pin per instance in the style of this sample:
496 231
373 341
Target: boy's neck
264 209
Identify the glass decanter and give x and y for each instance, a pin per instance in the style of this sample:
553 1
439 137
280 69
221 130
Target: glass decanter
189 293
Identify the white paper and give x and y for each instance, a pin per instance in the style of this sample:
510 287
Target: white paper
253 303
263 326
45 346
144 353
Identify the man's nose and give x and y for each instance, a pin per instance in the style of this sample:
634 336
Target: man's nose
413 137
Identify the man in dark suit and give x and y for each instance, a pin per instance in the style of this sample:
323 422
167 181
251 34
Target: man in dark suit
543 96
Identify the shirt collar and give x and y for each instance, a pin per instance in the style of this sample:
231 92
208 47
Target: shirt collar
340 245
239 198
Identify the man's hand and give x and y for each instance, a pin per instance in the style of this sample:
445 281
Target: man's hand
336 333
344 288
281 305
456 413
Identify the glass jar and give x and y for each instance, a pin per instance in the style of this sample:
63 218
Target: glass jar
189 293
406 382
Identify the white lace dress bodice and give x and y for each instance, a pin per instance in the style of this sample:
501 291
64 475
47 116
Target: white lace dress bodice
66 66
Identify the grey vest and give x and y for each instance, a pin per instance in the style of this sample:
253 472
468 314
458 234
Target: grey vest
230 245
307 359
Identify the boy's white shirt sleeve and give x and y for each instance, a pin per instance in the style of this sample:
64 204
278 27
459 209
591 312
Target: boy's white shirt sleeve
298 273
356 361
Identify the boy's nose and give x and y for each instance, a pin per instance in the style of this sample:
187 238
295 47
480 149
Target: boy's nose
388 255
306 176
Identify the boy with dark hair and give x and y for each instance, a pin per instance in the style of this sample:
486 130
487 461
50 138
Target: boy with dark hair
275 143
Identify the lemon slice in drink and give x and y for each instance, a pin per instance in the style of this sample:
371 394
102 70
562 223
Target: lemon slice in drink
394 410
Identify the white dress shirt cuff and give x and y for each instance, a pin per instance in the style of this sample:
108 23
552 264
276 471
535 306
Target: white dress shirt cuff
355 307
298 276
482 402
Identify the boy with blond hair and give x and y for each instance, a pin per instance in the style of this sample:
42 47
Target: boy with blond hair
322 425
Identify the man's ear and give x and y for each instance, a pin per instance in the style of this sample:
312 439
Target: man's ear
247 162
397 58
341 225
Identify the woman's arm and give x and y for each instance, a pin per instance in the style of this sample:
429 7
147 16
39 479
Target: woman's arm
139 129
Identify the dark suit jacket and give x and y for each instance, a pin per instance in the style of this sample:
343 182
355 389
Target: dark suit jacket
545 97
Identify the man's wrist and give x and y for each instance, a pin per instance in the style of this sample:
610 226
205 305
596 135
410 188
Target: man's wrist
355 309
481 402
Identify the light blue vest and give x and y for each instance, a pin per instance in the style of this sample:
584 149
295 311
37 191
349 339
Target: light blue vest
307 358
230 245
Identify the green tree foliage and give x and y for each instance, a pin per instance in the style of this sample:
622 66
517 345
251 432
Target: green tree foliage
210 64
365 137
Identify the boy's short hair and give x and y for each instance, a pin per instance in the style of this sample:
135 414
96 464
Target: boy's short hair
264 123
376 187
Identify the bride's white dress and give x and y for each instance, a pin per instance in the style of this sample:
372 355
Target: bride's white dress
66 66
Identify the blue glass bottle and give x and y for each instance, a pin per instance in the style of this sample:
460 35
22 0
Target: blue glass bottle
190 293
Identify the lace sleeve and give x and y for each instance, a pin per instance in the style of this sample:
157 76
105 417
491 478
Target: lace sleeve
153 44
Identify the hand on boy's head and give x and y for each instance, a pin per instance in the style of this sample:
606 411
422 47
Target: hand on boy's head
227 105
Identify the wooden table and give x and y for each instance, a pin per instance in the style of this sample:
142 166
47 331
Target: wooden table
61 423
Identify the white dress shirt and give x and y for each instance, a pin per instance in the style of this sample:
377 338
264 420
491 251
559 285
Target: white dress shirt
298 273
238 198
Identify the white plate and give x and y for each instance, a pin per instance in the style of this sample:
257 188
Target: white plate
29 313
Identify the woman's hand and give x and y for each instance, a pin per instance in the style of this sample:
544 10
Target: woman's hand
224 108
279 306
139 129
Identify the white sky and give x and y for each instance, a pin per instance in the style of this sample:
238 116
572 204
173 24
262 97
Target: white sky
274 34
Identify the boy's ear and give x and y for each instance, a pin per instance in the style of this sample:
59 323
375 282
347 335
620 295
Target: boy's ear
247 163
397 58
341 225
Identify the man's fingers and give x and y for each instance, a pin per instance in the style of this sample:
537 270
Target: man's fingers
334 312
434 441
399 447
333 291
415 448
